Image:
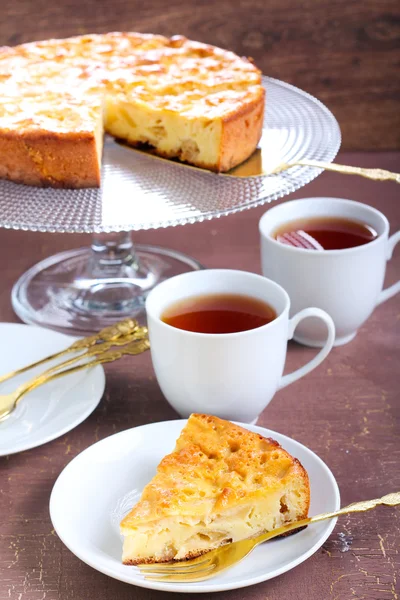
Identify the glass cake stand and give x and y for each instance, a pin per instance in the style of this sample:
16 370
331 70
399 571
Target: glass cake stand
82 290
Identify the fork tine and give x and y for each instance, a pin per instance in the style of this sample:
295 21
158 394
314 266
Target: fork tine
172 570
169 567
184 576
179 572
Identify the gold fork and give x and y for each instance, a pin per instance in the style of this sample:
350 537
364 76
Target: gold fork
110 333
254 167
214 562
134 343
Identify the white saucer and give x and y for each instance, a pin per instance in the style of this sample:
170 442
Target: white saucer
99 486
50 410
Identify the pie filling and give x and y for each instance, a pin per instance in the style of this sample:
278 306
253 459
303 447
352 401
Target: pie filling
192 140
99 135
176 538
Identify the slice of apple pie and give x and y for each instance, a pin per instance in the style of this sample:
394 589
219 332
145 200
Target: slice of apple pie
221 484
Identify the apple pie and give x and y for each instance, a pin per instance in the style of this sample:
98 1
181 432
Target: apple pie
187 100
221 484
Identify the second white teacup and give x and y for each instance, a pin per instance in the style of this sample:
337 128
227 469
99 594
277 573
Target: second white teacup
230 375
346 283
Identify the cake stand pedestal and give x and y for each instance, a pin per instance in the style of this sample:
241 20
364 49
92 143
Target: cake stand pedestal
86 289
81 291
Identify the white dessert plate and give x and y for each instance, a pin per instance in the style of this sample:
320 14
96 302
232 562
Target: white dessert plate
98 487
52 409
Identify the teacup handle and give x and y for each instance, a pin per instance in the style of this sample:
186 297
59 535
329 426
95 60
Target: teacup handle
322 354
395 288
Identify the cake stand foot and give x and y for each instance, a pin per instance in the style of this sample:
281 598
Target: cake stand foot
82 291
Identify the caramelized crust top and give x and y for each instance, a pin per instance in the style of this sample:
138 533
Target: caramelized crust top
215 466
57 85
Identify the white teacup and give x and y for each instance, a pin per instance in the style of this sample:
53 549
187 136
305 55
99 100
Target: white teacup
347 283
232 375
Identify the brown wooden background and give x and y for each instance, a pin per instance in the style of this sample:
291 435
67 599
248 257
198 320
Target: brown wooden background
346 52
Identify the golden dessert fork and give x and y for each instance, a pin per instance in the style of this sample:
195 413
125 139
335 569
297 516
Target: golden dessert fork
258 164
214 562
110 333
133 343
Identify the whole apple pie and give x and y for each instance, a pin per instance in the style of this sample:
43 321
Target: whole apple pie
187 100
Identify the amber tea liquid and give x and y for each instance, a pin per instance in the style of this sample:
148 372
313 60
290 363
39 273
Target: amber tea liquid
219 313
330 233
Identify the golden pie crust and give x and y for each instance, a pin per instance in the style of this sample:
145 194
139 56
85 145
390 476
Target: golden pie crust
222 483
187 100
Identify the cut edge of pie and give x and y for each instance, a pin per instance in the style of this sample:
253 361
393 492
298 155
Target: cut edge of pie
217 144
221 484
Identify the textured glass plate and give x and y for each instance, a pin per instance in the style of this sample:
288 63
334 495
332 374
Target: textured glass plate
140 191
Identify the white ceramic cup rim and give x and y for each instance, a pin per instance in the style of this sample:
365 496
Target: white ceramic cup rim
155 313
307 201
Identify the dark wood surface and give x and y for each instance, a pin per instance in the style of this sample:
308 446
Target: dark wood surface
347 411
347 53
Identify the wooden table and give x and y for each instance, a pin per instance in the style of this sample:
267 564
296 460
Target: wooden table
347 411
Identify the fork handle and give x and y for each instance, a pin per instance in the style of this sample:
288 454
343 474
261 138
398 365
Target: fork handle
375 174
139 333
392 499
108 334
132 348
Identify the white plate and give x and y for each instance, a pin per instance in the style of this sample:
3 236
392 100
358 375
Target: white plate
50 410
100 485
